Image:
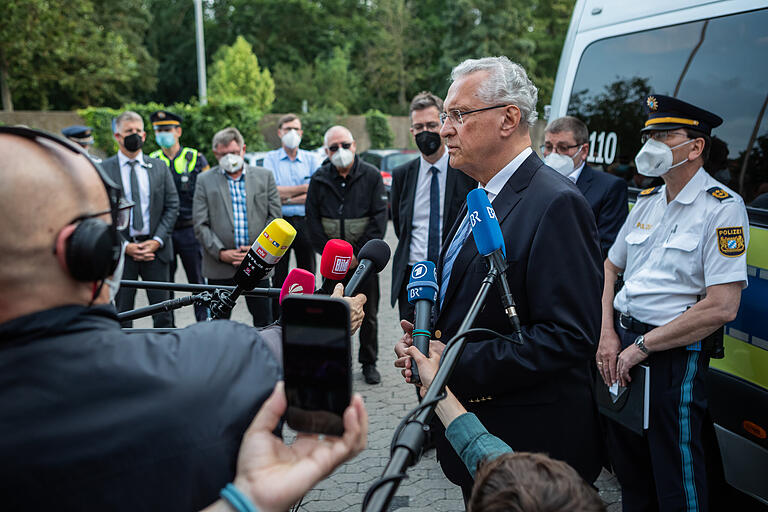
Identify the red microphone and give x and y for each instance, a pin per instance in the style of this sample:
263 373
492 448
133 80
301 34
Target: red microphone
298 281
337 256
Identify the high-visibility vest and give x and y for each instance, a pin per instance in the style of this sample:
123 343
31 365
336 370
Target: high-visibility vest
185 162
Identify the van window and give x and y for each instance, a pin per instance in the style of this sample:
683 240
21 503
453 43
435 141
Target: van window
718 64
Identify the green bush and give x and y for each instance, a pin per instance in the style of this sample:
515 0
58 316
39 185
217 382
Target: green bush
378 130
315 124
200 123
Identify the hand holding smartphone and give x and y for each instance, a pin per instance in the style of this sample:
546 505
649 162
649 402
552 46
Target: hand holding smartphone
317 363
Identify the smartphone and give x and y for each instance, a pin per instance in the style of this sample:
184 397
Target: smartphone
317 363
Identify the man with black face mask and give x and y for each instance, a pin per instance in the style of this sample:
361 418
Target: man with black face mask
148 183
427 195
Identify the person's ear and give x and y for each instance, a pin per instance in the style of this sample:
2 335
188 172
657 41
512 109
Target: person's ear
697 149
511 120
60 247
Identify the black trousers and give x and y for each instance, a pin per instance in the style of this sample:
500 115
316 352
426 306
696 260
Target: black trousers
369 331
259 307
154 270
406 309
186 247
302 250
664 469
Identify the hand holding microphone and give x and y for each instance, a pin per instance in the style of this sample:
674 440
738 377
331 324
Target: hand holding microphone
490 243
422 293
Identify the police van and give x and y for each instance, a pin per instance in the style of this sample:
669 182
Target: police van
713 54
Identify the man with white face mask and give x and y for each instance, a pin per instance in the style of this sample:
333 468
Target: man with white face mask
565 149
682 251
233 203
293 167
346 199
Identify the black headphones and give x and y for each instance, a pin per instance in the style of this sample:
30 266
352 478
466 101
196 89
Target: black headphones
93 249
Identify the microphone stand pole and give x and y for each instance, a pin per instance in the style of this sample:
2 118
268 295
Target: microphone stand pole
410 441
183 287
167 305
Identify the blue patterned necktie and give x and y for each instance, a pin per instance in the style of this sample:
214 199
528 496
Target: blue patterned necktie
433 240
450 255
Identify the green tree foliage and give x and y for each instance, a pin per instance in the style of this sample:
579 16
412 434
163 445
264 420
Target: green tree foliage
378 129
550 24
314 125
236 74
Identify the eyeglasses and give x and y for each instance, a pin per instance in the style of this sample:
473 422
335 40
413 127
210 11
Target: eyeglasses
335 147
660 136
420 127
561 148
121 219
456 115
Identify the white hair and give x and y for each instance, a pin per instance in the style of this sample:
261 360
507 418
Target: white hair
335 128
507 83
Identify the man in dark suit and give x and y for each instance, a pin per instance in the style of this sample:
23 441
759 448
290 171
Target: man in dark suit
425 202
148 183
565 149
535 396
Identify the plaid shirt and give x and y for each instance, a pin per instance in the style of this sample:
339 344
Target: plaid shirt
239 211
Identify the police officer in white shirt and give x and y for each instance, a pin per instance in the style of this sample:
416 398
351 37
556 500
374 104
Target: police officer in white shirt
682 252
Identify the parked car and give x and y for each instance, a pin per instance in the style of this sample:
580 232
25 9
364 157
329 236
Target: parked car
255 158
386 160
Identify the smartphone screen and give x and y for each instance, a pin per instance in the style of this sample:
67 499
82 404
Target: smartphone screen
317 363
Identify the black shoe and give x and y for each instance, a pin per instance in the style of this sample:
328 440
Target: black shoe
371 374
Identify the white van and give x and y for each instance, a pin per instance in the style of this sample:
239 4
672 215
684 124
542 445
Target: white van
713 54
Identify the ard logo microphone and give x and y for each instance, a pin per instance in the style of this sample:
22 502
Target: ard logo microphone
422 293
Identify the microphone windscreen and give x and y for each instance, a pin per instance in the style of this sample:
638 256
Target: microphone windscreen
298 281
334 263
377 251
274 241
485 225
423 282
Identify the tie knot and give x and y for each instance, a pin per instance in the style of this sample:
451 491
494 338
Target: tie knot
434 170
132 163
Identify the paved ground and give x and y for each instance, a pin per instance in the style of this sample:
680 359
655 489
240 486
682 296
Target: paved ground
426 488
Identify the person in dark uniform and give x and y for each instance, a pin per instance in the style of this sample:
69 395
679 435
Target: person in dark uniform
565 149
424 203
682 252
79 134
346 200
185 164
528 395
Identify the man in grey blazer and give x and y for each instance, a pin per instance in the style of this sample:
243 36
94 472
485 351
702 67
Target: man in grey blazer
148 183
233 203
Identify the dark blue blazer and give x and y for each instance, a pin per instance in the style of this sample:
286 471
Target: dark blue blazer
607 195
535 396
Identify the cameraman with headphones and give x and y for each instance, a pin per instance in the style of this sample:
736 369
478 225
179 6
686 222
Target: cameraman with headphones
93 417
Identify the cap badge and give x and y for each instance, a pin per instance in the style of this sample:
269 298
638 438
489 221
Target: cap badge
653 103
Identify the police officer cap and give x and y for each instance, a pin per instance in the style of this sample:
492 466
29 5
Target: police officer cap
164 118
668 113
79 133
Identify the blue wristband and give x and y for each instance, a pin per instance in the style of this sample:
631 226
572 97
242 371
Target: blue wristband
237 499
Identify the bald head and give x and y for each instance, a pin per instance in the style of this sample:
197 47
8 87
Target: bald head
43 187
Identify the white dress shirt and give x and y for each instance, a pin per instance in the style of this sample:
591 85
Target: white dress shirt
574 176
143 178
421 201
495 184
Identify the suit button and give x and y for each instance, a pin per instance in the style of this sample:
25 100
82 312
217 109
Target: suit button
438 334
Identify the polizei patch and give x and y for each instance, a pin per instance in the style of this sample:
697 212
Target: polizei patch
730 241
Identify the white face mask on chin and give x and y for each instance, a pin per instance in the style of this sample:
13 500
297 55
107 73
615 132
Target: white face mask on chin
655 158
342 158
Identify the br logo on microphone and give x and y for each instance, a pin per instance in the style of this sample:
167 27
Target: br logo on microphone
419 271
474 218
491 212
341 264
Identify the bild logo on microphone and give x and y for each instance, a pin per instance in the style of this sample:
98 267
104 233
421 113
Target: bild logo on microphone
341 264
419 271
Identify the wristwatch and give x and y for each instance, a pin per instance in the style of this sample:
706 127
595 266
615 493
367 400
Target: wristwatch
640 343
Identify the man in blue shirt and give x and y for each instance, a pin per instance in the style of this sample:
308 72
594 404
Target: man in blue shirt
292 168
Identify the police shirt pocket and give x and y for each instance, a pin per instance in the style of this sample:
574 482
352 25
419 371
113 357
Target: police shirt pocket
637 237
680 253
685 242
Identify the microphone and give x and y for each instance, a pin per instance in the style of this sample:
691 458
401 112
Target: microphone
337 256
265 252
298 281
422 293
373 257
490 243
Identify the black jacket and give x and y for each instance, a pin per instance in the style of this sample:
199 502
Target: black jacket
607 196
94 418
362 196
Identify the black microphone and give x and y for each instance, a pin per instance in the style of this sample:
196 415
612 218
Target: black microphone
263 255
422 293
373 257
490 243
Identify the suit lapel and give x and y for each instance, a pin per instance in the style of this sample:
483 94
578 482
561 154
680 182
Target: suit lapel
411 179
154 188
226 196
585 179
450 185
503 204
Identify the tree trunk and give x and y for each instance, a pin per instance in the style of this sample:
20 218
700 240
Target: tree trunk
5 88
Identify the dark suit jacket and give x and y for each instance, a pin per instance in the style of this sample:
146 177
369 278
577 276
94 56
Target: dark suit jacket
457 186
607 195
163 201
535 396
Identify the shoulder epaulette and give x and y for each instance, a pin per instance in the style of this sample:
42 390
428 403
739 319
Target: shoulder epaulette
649 191
719 194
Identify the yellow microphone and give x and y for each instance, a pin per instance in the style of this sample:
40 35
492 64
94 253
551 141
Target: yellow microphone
263 255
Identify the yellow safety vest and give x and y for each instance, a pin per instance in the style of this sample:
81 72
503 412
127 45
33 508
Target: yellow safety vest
185 162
